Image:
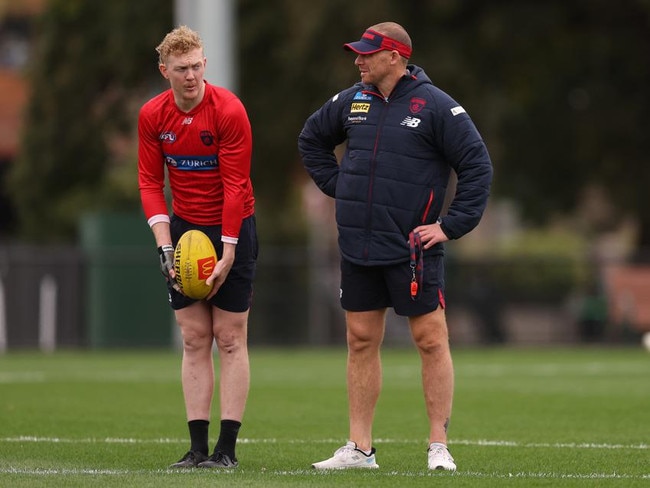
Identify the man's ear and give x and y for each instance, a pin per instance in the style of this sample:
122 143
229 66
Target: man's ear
163 70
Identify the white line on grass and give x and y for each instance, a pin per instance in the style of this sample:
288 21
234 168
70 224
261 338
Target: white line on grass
464 442
313 472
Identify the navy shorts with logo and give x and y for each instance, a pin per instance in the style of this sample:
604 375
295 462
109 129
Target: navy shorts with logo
236 293
365 288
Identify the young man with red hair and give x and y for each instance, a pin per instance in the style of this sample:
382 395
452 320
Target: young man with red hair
200 134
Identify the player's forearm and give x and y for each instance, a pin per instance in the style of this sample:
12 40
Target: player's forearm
161 233
228 254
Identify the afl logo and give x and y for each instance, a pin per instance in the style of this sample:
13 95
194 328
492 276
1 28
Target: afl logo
207 137
168 137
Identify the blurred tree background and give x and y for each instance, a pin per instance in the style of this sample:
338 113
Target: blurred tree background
558 89
89 68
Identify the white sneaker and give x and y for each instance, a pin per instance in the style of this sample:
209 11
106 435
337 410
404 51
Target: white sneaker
348 456
440 457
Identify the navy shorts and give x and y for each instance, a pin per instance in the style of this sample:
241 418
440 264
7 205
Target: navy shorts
365 288
236 293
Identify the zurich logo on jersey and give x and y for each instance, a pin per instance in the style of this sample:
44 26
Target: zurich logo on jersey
196 163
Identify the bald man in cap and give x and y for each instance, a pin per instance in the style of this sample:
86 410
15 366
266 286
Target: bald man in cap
403 138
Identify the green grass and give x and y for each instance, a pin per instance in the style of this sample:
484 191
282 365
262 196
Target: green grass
522 417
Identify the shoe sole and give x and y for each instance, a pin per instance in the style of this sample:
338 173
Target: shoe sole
371 466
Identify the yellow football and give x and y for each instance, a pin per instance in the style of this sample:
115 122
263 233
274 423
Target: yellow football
194 261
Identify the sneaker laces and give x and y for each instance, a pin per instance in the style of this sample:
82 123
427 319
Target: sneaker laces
346 451
440 451
437 450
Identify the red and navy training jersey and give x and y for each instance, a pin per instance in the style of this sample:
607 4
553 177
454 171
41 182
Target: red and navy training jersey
207 152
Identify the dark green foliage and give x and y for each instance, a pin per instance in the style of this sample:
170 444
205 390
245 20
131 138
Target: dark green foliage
90 60
571 77
558 90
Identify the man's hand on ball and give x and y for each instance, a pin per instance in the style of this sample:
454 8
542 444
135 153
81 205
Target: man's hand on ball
218 276
166 254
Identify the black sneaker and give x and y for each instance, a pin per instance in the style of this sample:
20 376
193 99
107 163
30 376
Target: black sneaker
219 460
190 460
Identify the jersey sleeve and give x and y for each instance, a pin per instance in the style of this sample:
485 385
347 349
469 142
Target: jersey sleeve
236 147
151 168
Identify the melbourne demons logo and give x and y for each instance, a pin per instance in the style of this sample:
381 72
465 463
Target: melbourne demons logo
417 104
207 137
205 267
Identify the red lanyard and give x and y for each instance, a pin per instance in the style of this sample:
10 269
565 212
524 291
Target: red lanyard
417 264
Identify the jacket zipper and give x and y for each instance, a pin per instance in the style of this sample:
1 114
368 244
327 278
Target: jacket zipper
373 164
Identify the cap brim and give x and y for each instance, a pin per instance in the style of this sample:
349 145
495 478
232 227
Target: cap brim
361 47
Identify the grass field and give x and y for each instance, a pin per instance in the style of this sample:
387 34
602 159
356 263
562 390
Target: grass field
522 417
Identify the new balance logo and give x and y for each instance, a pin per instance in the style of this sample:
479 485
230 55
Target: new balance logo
410 121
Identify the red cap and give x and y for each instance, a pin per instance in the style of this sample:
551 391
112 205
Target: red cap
372 41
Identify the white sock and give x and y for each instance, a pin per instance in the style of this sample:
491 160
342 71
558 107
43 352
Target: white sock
367 453
437 444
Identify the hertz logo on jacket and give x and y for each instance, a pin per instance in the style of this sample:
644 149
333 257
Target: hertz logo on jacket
360 107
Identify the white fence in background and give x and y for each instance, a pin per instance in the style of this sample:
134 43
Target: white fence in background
42 295
47 313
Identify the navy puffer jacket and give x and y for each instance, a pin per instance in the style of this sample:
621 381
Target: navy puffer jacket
395 170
